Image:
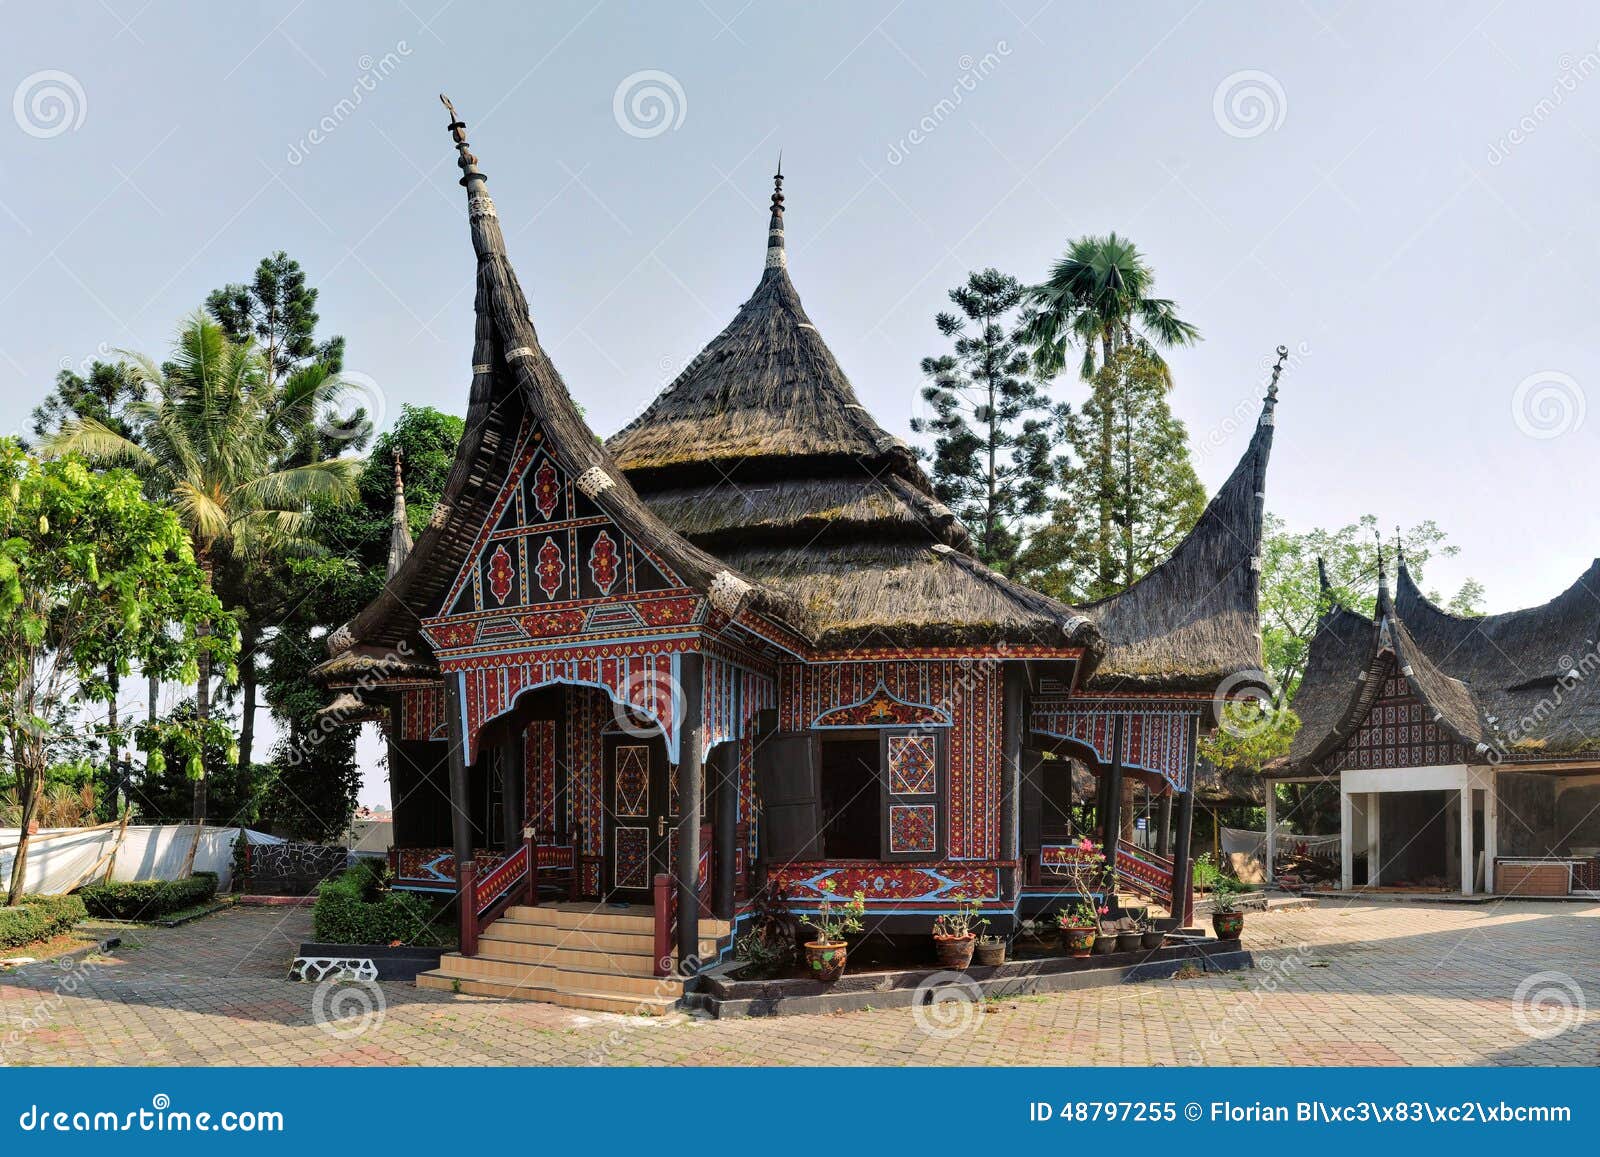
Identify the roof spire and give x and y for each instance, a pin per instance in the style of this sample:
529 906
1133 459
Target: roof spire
1385 602
1323 585
776 259
399 526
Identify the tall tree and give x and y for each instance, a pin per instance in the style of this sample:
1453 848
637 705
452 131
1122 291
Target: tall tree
1142 478
93 577
104 394
278 310
214 439
1100 296
315 778
994 427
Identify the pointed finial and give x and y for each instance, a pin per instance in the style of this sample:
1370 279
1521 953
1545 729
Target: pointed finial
1277 369
458 133
1384 601
776 259
1323 585
399 478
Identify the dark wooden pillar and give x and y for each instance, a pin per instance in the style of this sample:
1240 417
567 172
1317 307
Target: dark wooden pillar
1182 883
1015 726
460 798
687 869
514 807
1164 819
1111 790
725 774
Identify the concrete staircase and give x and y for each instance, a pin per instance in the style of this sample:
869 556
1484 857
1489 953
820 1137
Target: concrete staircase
575 955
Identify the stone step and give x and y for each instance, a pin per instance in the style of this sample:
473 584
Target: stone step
584 1000
584 939
636 918
533 976
568 957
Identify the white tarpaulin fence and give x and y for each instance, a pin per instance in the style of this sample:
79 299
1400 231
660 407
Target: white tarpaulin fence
1240 841
60 862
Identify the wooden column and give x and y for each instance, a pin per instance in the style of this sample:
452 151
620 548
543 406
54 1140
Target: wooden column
1014 722
725 773
1182 841
460 799
687 869
1164 818
1111 788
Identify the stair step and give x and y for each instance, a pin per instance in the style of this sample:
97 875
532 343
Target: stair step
584 939
586 1000
633 919
563 956
535 976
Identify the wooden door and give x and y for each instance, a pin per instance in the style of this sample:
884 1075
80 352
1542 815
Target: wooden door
640 811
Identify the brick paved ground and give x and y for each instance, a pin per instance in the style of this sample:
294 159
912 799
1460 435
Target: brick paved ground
1339 985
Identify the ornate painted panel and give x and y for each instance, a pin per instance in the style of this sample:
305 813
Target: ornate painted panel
1157 735
891 884
633 781
1398 732
630 866
959 697
539 774
422 714
913 829
913 764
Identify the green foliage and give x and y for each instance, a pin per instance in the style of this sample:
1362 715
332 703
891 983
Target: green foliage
358 907
148 899
994 428
175 747
93 578
1131 493
1251 733
105 395
278 310
38 918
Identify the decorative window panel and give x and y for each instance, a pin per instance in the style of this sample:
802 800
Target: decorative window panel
912 773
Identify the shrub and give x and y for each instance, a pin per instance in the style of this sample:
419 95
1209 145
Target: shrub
148 899
38 918
358 907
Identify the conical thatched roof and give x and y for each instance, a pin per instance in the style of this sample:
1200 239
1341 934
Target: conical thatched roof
761 453
512 380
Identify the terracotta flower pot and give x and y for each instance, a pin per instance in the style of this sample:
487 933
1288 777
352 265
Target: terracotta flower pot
1080 941
954 951
990 955
825 961
1228 925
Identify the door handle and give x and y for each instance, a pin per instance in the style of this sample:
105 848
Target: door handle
661 826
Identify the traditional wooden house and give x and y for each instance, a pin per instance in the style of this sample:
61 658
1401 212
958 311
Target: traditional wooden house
743 641
1466 750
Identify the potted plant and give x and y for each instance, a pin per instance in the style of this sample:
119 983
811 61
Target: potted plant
825 956
1129 935
955 934
1105 941
1227 916
991 951
1080 920
1150 935
1080 926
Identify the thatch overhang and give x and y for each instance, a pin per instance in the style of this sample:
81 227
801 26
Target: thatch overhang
513 381
1192 622
761 453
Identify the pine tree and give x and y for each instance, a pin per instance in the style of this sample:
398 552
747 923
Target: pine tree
995 429
1127 501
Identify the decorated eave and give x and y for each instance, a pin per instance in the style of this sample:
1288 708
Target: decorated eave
760 453
514 388
1193 621
1510 689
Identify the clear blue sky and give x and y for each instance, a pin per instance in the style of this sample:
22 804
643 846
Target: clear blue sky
1410 204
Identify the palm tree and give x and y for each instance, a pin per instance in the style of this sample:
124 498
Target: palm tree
215 439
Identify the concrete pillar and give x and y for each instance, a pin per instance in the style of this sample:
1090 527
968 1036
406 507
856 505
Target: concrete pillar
1374 840
1347 823
1491 830
1272 830
1467 858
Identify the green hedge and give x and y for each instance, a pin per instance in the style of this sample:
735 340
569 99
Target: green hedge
148 899
356 907
38 918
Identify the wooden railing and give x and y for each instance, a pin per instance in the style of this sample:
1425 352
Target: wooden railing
1144 873
481 901
665 897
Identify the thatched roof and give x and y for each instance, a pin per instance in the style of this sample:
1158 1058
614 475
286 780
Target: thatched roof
761 453
1516 687
1192 621
512 380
